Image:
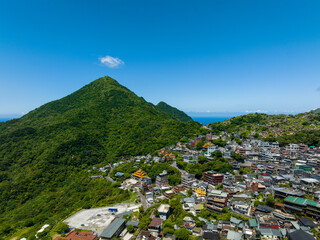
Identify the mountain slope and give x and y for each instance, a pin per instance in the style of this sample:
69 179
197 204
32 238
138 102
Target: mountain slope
173 112
45 155
300 128
316 110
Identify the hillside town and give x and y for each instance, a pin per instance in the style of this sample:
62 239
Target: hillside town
271 192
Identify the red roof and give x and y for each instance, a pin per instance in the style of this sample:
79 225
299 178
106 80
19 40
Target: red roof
155 222
79 235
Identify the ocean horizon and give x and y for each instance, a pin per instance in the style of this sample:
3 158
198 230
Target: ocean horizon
207 120
5 119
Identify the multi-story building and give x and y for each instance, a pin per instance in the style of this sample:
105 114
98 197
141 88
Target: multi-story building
162 179
302 206
212 177
241 207
285 192
293 147
303 147
271 169
187 179
193 142
216 200
164 211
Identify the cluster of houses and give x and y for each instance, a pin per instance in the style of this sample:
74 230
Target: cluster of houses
289 174
282 124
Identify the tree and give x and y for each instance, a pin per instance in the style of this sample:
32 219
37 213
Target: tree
202 159
199 146
219 186
225 210
237 157
184 139
270 201
168 230
61 227
130 228
156 213
182 234
256 135
189 192
238 141
257 202
216 154
141 209
144 222
307 196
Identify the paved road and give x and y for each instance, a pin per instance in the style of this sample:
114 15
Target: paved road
174 164
144 202
109 178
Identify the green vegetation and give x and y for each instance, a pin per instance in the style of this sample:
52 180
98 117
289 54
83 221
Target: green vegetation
225 216
237 157
173 112
311 138
220 164
45 155
182 234
130 228
144 218
61 227
300 128
316 110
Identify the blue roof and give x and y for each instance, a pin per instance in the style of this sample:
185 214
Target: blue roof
119 174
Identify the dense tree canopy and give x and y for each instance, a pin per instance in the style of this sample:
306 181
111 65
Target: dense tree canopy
45 155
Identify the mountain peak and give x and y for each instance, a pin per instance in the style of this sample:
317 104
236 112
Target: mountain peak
174 112
105 80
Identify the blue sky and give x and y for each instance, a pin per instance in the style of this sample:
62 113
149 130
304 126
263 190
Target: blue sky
215 56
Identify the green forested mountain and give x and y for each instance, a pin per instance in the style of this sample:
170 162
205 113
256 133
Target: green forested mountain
173 112
316 110
45 155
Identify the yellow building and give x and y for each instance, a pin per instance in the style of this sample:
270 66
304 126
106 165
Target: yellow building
200 192
139 174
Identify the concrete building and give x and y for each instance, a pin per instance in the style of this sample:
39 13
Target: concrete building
216 200
162 179
164 211
212 177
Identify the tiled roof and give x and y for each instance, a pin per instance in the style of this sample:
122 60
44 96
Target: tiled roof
155 222
140 174
79 235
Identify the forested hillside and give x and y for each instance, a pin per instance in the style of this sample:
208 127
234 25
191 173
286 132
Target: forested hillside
173 112
300 128
45 155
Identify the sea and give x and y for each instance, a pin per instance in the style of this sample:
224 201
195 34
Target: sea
5 119
206 120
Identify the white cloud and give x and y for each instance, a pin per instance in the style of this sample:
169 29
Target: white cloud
111 62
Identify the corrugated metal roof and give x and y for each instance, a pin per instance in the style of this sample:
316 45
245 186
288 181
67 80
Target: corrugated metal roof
112 228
